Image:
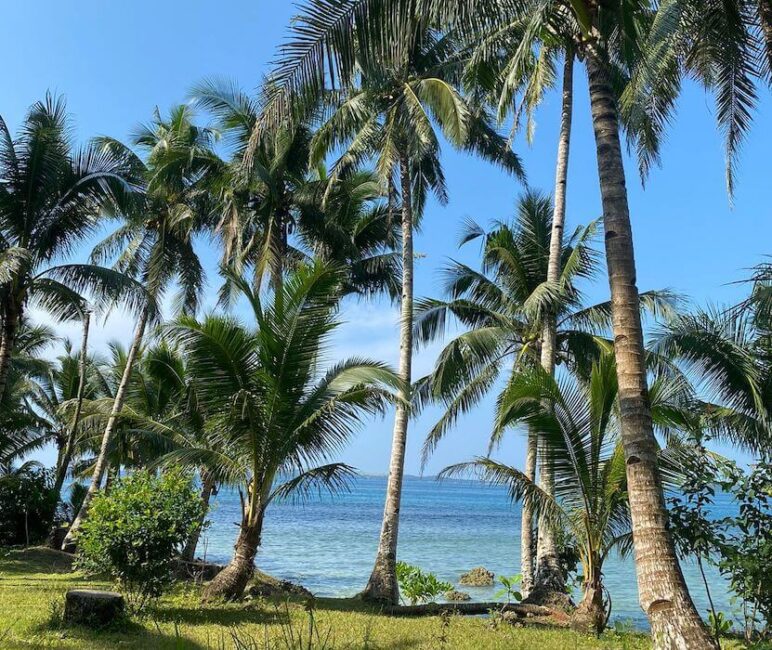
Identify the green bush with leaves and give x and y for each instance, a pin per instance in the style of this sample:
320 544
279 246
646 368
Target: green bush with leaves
417 586
510 587
134 532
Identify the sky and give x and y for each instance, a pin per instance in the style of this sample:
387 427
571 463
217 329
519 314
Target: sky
115 62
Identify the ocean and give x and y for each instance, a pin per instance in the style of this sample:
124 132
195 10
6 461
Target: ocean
447 527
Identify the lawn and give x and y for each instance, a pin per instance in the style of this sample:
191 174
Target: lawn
33 583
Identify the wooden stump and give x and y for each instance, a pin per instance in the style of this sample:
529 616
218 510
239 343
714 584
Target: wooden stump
92 608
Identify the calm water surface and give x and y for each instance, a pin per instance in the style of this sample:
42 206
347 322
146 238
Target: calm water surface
448 527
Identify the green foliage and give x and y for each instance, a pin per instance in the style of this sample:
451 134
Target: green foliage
134 532
417 586
27 505
510 589
741 546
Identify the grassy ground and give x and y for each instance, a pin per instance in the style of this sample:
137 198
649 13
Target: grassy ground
33 583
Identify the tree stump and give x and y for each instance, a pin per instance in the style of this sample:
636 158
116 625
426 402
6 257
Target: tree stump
92 608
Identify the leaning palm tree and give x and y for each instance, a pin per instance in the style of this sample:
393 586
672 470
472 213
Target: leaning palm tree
504 306
154 243
51 199
392 116
579 419
268 402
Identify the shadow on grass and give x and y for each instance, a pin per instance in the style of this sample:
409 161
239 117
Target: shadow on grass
225 616
35 559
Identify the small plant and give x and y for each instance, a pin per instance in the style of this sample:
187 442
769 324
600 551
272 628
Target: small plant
417 586
719 622
134 533
510 588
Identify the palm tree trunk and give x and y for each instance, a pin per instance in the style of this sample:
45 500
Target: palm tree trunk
230 583
107 437
207 489
526 519
382 585
12 315
662 592
549 581
590 614
64 462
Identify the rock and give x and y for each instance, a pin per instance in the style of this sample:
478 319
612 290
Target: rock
92 608
197 570
478 577
457 596
265 586
511 618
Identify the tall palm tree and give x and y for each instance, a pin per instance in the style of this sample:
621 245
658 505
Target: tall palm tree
51 199
267 401
155 242
392 116
505 306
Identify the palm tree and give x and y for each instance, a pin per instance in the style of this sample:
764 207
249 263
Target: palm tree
22 430
58 398
728 352
590 498
266 402
504 306
51 197
391 116
156 240
342 220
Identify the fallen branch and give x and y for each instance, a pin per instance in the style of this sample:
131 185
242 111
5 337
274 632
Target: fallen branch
469 609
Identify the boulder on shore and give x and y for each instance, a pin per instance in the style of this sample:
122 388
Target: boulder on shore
477 577
455 596
92 608
266 586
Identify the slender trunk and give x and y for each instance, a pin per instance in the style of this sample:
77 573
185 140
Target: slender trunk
230 583
63 464
110 475
382 585
526 519
549 582
12 315
207 489
662 592
716 630
107 437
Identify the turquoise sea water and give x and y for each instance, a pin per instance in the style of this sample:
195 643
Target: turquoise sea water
447 527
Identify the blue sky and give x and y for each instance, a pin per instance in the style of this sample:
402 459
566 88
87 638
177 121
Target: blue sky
116 61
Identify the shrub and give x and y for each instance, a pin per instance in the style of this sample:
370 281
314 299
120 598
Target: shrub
27 505
417 586
133 533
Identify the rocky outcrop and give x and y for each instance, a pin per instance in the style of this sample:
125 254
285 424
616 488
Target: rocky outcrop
265 586
92 608
477 577
455 596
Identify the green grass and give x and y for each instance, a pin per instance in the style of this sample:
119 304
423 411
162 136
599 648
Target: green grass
33 583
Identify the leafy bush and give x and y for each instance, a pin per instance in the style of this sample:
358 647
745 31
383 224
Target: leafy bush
134 532
417 586
27 505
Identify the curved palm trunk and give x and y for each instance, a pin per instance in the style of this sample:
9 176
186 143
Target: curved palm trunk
207 490
66 457
12 315
107 437
549 584
662 592
382 585
230 583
